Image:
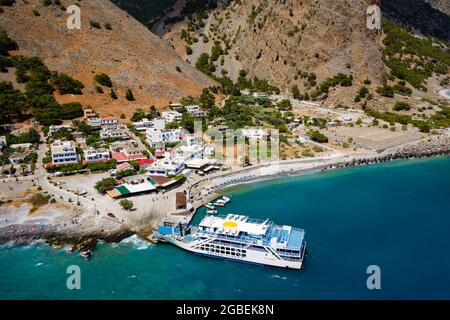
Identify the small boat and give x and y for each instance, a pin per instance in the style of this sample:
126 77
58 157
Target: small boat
226 199
211 211
211 207
221 201
220 204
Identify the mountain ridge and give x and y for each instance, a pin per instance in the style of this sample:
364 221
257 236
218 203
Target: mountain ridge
129 53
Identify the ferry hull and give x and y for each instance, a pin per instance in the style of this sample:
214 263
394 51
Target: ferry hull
252 257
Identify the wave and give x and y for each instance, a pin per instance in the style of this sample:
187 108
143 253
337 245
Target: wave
136 242
275 276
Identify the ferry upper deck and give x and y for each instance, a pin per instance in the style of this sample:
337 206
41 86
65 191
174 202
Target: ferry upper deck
260 232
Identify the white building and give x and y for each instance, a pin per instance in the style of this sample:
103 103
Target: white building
94 122
260 95
171 116
183 154
63 152
108 121
159 123
165 167
144 124
155 136
94 155
254 133
192 108
114 133
21 146
54 129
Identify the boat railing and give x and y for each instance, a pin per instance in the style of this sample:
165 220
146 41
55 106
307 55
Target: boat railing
240 238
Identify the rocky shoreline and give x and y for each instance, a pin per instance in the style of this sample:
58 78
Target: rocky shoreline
23 234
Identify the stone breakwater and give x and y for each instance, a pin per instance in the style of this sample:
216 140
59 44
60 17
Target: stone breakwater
439 146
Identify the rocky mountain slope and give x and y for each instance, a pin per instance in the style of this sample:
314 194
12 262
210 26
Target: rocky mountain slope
111 42
427 17
289 42
441 5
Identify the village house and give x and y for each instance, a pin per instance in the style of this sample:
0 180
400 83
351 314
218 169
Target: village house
165 167
19 157
94 123
124 166
260 95
95 155
145 163
127 151
171 116
109 121
155 136
144 124
63 152
133 186
54 129
88 113
107 133
21 146
254 133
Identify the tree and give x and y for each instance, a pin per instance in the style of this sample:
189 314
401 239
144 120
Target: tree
113 94
129 95
127 204
386 91
284 105
6 43
296 92
402 105
67 85
207 99
203 64
103 79
318 136
13 103
105 185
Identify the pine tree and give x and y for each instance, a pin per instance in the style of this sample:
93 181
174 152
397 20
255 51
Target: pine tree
113 94
129 95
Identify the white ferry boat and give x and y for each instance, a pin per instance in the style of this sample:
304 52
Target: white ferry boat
239 238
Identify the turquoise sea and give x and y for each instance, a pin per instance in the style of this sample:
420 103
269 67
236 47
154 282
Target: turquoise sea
394 215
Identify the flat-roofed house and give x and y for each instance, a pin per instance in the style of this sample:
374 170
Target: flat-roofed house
156 136
109 121
165 167
171 116
114 133
63 152
96 155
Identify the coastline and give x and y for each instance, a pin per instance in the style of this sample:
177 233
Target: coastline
84 235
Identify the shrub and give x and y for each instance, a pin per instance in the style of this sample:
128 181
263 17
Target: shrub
127 204
103 79
318 137
105 185
402 105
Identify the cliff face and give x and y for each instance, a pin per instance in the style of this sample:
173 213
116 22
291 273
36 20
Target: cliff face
129 53
275 40
428 17
441 5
